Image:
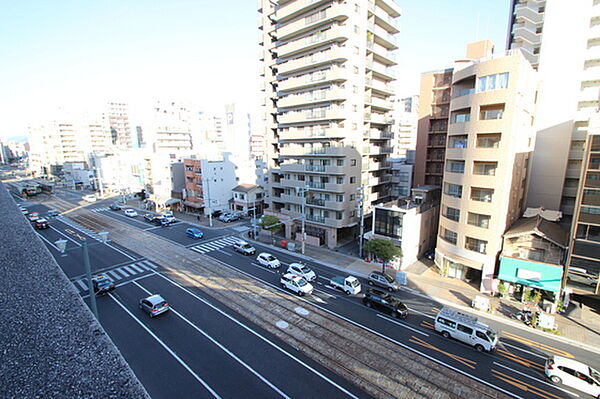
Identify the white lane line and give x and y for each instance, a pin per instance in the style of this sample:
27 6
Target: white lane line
405 346
421 313
139 269
262 268
129 270
48 242
402 325
123 272
211 245
524 350
82 285
230 240
224 349
196 376
261 337
66 236
536 379
115 275
224 253
147 263
199 250
119 251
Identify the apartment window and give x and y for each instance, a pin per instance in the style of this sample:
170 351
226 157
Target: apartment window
461 116
594 161
354 126
388 223
453 190
455 166
588 232
340 162
355 89
449 236
356 29
457 141
479 220
590 196
352 197
352 180
488 112
356 8
300 177
488 140
482 194
485 168
353 162
319 15
338 215
339 197
356 70
356 50
339 180
473 244
452 214
354 107
492 82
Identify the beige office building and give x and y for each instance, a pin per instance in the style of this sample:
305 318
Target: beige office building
328 73
489 141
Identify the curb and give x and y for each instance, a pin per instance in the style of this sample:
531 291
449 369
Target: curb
449 303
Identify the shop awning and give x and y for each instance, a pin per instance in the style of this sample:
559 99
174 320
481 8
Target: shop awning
529 273
193 204
172 201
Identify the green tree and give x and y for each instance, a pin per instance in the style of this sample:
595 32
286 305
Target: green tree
271 223
384 250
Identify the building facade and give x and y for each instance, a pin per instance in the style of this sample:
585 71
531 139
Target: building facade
406 118
490 138
327 81
116 118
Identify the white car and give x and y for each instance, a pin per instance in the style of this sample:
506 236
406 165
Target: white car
573 374
131 213
268 260
296 283
302 271
89 198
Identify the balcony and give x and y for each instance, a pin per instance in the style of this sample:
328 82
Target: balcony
335 33
589 94
317 114
377 150
336 12
379 103
593 53
294 134
313 79
591 74
382 37
315 218
296 150
529 14
306 62
376 134
294 100
528 36
372 166
382 71
296 8
379 86
385 17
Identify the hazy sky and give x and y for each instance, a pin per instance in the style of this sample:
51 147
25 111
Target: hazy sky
81 53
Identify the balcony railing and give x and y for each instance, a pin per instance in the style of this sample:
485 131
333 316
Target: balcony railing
315 218
317 185
315 201
315 168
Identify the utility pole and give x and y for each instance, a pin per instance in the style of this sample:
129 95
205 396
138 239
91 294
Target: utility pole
254 219
359 204
210 222
303 190
88 272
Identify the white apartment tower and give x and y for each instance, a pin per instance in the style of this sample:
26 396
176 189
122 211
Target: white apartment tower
328 73
116 118
561 39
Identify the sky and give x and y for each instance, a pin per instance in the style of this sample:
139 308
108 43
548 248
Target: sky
79 54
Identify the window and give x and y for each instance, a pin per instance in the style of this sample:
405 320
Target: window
464 329
339 197
355 89
354 126
488 112
356 50
492 82
338 215
354 107
479 220
485 168
482 194
356 8
352 197
339 162
594 161
319 15
452 214
449 236
353 162
461 116
473 244
355 69
446 322
352 180
453 190
457 141
339 180
455 166
388 223
481 335
356 29
488 140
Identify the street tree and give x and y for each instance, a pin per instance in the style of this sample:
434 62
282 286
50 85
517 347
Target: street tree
384 250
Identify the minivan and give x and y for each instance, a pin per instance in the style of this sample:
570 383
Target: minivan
465 328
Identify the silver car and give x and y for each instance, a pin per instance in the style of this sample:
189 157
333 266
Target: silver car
154 305
383 281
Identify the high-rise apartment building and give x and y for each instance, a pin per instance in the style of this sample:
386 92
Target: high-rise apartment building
406 118
327 85
490 138
562 41
116 118
172 128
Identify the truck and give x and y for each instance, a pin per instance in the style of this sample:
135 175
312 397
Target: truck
350 284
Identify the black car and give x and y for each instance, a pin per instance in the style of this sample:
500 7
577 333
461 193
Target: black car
52 213
385 302
41 224
115 207
149 217
102 284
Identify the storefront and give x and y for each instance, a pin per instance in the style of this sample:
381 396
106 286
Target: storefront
538 275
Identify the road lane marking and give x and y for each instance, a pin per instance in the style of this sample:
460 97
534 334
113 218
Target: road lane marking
523 385
82 284
519 359
261 337
224 253
536 380
538 345
524 350
188 368
146 264
115 275
467 362
263 267
401 324
121 271
129 270
48 242
119 251
66 236
427 324
136 267
223 348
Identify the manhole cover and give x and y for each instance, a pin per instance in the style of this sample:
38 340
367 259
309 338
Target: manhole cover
282 324
301 311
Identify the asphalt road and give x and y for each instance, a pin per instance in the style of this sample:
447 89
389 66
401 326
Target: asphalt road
516 367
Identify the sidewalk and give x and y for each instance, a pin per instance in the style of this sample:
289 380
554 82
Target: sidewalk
581 330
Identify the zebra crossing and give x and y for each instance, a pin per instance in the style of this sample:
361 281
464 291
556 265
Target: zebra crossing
214 245
103 209
120 273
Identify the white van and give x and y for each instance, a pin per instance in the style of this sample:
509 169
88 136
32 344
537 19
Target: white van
573 374
466 328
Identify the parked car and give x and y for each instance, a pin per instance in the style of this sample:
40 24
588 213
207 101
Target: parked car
33 216
217 213
115 207
296 284
41 224
102 284
52 213
194 232
302 270
581 276
130 213
150 217
24 211
165 220
268 260
168 214
573 374
89 198
229 217
154 305
383 280
244 248
386 303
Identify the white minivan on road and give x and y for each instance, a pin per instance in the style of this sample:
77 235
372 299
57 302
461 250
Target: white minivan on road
466 328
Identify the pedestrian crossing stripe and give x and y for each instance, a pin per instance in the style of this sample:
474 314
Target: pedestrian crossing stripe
121 272
214 245
100 209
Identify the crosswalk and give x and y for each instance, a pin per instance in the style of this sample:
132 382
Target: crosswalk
120 273
214 245
103 209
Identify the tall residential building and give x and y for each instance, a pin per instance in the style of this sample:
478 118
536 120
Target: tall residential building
562 41
116 118
490 138
327 85
406 118
172 128
432 128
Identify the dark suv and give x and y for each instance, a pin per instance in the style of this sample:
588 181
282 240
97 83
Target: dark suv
386 303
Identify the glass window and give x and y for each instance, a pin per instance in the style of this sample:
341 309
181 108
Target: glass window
455 166
461 116
485 168
388 223
594 161
488 140
482 194
473 244
452 214
479 220
489 112
464 329
492 82
481 335
450 236
457 141
453 190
